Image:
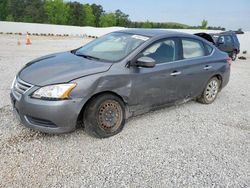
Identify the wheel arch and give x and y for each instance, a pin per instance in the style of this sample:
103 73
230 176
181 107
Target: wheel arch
219 77
80 116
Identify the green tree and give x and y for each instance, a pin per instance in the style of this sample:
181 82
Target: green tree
88 16
97 11
16 10
121 18
23 10
10 18
107 20
147 24
75 13
204 24
34 12
57 11
4 9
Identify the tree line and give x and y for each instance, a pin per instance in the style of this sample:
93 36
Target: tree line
77 14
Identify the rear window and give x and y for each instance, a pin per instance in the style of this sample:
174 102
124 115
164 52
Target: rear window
228 39
192 48
235 39
209 49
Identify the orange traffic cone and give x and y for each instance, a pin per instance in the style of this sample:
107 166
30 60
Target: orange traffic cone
28 42
19 42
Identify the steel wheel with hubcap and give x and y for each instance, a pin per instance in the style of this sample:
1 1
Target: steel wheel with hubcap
104 116
211 91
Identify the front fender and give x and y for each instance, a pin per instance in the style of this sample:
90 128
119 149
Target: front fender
91 85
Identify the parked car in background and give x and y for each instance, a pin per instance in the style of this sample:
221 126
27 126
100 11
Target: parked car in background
225 41
114 77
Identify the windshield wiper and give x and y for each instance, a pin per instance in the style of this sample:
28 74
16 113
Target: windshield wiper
88 56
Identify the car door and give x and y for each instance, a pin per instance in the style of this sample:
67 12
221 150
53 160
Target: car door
225 43
221 43
156 86
229 43
195 67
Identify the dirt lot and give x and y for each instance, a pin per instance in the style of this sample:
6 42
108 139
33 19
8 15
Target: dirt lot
191 145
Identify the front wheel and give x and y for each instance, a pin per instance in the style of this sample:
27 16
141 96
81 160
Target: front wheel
104 116
211 91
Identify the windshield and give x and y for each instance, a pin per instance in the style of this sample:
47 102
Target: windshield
111 47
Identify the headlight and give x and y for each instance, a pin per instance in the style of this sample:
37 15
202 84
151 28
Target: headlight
13 82
60 91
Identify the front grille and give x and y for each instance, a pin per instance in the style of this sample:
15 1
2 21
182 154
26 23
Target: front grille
20 87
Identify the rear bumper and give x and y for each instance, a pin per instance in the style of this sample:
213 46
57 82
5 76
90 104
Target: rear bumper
226 76
47 116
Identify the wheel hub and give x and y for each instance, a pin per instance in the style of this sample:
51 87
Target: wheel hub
212 90
110 115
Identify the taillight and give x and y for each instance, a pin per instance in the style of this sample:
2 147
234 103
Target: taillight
229 60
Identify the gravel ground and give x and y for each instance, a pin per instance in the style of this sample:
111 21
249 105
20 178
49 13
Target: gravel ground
191 145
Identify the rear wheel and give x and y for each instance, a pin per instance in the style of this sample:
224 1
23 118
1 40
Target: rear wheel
104 116
211 91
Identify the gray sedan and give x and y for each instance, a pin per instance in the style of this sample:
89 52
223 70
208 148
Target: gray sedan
114 77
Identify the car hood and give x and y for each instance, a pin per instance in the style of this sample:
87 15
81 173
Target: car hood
60 68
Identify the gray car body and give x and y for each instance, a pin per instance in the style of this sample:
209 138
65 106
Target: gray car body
141 89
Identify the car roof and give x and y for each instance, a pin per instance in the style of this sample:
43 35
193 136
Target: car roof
154 32
224 33
228 32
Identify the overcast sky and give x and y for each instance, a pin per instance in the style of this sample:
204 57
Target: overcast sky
230 14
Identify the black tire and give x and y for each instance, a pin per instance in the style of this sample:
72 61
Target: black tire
210 88
233 55
104 116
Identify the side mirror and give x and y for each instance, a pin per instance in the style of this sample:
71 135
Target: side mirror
146 62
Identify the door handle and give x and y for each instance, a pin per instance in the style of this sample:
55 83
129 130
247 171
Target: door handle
207 67
175 73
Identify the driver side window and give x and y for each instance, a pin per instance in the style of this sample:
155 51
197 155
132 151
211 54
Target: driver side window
162 52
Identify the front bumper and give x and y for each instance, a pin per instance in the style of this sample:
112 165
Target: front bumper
47 116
